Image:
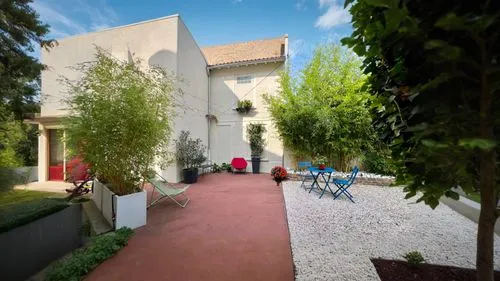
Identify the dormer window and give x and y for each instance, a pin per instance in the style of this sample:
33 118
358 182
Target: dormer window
247 79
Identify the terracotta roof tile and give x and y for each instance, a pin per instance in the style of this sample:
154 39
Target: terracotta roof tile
246 51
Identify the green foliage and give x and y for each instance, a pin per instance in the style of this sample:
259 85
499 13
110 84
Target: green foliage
226 167
216 168
414 258
11 134
379 162
255 134
27 147
20 207
20 33
84 260
434 66
121 119
244 106
435 76
320 160
190 153
325 110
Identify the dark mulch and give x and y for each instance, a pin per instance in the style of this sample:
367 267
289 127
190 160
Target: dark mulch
392 270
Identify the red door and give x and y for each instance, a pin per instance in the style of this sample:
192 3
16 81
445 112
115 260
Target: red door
56 155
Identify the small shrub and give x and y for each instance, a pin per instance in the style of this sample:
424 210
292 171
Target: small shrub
414 258
190 153
244 106
226 167
216 168
379 162
84 260
255 134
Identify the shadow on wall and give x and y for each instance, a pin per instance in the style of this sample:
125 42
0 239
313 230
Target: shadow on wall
167 60
163 58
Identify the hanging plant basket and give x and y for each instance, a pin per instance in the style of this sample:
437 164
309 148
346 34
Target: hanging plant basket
244 106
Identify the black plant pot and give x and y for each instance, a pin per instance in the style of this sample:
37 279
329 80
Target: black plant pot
255 165
190 175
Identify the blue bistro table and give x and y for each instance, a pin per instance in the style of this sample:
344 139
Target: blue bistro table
316 173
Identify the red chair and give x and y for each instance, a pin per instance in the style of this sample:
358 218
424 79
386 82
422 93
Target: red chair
239 165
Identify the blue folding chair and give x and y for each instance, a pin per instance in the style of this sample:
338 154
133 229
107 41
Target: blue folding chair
303 172
344 184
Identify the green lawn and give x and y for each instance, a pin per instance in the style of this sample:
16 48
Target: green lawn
19 207
474 197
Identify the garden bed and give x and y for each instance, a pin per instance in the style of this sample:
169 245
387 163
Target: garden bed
394 270
345 235
31 246
20 207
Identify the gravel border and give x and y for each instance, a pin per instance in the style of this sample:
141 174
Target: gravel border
335 239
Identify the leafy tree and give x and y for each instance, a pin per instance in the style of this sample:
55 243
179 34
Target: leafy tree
325 110
435 67
20 30
11 133
120 119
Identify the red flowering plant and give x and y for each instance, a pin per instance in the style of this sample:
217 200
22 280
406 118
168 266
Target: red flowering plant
279 174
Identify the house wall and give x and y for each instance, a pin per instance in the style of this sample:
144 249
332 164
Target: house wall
153 42
228 134
193 103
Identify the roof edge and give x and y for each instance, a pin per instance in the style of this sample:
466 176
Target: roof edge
243 42
247 62
119 27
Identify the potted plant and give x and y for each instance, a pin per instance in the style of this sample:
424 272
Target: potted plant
190 155
279 174
255 134
119 124
320 162
244 106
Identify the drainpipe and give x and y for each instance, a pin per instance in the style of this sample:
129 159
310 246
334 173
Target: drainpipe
209 108
286 65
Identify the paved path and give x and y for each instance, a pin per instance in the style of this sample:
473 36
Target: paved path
234 228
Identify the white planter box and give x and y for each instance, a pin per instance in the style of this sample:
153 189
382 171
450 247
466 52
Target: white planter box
130 210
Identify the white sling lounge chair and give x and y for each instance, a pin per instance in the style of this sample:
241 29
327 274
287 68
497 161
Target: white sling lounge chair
167 190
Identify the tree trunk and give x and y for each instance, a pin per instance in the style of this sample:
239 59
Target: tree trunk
487 219
487 180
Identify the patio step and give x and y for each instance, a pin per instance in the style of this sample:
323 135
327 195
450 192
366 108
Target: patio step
98 224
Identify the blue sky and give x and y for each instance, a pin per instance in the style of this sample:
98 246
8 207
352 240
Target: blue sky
307 22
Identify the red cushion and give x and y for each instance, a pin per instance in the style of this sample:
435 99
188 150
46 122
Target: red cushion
239 163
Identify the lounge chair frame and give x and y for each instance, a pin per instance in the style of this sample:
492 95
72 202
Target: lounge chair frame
167 190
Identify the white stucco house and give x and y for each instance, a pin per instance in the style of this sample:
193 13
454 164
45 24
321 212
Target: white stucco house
214 79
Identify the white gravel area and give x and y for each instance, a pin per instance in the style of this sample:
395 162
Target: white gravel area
335 239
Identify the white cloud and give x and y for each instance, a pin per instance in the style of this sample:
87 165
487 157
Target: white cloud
301 5
52 16
62 16
334 15
325 3
101 17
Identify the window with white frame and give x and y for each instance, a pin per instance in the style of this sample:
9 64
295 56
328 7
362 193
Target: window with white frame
247 79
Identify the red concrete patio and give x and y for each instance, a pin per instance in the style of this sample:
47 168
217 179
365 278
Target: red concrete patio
234 228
